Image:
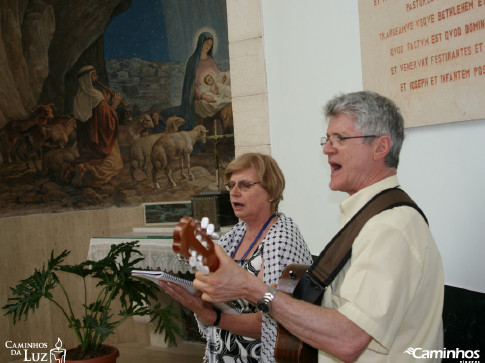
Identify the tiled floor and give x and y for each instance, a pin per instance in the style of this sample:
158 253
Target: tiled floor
183 353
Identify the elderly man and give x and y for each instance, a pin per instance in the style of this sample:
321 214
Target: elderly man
388 296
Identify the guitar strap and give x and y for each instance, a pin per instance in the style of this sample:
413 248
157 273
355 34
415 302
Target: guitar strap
336 254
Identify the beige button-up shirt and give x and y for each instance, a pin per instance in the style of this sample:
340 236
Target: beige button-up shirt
393 285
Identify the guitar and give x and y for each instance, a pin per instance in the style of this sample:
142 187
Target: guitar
191 241
290 349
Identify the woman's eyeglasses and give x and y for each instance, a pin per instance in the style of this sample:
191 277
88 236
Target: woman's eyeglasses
243 185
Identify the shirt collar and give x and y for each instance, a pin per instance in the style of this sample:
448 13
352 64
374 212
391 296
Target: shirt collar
355 202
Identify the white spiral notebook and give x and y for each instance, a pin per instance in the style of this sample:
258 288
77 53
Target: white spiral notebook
156 276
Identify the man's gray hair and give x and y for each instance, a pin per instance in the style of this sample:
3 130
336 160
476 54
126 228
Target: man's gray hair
372 114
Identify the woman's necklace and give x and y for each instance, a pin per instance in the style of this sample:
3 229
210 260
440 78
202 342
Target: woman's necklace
254 242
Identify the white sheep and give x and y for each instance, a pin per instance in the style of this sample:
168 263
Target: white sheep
174 146
141 148
140 154
129 133
173 124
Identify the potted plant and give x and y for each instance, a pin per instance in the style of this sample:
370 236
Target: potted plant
96 322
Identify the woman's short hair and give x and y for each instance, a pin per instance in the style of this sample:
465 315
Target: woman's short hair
270 175
372 114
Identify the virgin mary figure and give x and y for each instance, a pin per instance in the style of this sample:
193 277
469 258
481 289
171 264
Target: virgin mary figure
195 102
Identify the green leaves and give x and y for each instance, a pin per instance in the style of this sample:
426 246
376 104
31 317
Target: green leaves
114 281
28 293
165 321
97 329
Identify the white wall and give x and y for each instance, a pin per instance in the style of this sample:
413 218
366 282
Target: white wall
312 52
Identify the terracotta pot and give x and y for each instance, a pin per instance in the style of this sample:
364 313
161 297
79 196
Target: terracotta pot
110 358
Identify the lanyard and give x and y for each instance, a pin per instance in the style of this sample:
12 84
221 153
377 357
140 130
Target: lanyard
254 242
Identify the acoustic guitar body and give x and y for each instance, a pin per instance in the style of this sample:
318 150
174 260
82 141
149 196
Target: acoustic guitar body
290 349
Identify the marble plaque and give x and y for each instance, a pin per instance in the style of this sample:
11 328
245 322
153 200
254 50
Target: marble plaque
426 55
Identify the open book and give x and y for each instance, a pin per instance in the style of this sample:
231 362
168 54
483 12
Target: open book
156 276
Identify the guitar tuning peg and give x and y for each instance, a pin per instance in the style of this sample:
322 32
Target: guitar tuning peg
199 237
210 229
199 266
215 235
193 258
204 222
205 270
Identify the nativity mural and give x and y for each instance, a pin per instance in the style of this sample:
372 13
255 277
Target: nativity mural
112 103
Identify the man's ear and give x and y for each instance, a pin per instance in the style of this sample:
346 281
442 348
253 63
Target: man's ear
382 147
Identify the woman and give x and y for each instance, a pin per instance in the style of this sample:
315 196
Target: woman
97 130
264 243
194 101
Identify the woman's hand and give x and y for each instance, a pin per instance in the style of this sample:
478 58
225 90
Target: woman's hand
201 308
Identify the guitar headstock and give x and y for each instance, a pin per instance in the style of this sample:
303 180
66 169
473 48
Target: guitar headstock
192 241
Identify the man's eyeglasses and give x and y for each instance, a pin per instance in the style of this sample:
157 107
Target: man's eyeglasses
339 138
243 185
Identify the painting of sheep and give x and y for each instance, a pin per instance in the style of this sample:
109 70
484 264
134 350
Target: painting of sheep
14 131
62 150
128 133
142 148
175 146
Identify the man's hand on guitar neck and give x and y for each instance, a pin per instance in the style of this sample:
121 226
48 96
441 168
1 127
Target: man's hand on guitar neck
229 282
